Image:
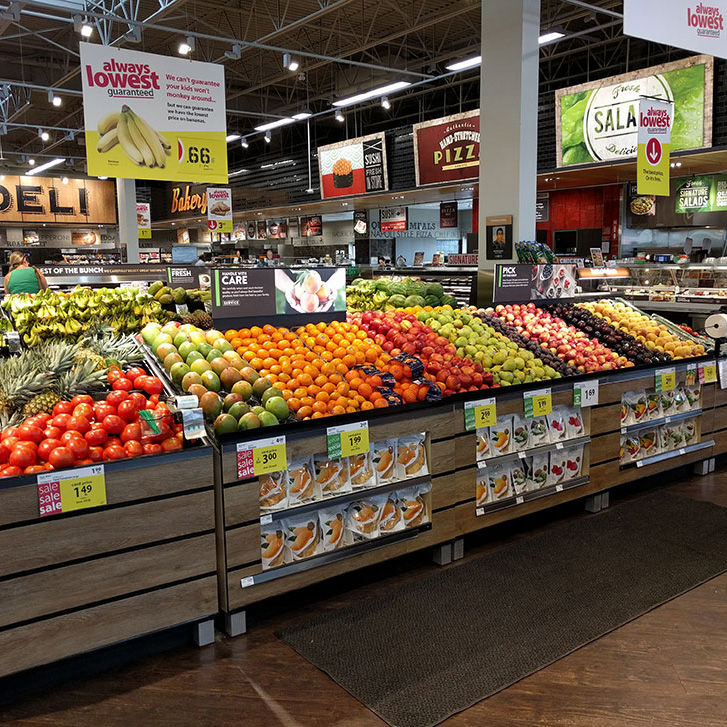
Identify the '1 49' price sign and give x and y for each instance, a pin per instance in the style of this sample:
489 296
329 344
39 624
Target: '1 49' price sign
347 439
479 414
261 457
74 489
537 403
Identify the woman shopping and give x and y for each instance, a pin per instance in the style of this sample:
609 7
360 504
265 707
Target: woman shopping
23 278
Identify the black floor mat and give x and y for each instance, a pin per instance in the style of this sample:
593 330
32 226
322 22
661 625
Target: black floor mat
423 651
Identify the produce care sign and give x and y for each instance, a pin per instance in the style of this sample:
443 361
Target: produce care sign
153 117
652 168
356 166
598 122
447 149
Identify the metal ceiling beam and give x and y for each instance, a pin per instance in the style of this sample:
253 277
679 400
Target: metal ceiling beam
594 8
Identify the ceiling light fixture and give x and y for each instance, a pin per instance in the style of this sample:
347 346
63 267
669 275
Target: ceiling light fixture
267 137
31 162
53 99
82 26
103 177
373 93
385 103
274 124
44 135
47 165
339 116
550 36
187 46
235 54
466 63
244 143
289 63
232 137
302 115
64 180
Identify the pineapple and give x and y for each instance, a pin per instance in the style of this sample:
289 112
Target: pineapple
86 354
41 404
20 382
84 378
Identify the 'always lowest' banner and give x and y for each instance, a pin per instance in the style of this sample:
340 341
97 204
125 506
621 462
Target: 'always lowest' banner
652 159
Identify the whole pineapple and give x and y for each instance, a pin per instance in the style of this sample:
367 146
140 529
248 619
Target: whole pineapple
55 359
20 383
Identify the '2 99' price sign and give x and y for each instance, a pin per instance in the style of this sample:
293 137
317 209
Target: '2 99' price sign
261 457
74 489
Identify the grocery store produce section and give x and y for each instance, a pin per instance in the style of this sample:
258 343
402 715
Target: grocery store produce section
269 457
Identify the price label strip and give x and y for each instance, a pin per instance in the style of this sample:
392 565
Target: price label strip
193 423
347 439
479 414
261 457
585 394
665 380
538 403
70 490
707 373
722 368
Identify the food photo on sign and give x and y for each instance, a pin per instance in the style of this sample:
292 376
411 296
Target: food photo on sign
277 229
310 291
355 166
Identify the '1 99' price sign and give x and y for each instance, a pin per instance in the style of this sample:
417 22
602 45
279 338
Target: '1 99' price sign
347 439
537 403
71 490
261 457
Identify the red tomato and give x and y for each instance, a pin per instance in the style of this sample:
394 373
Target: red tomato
114 424
102 409
81 399
122 384
113 442
85 462
79 447
4 453
52 432
70 434
114 373
49 467
60 421
25 443
47 446
134 372
96 436
133 448
39 420
131 431
112 453
62 407
11 472
9 432
22 457
96 454
79 424
34 469
10 442
83 410
173 444
61 457
139 399
152 448
128 411
30 434
116 397
153 385
164 432
139 381
154 399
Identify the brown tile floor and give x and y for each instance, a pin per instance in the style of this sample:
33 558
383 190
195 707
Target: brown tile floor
667 668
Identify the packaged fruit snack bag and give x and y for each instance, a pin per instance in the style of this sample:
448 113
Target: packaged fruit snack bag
391 520
693 394
539 472
574 424
302 486
384 460
689 431
630 448
653 405
362 518
274 491
648 441
411 456
302 535
573 461
519 477
331 521
556 424
520 433
539 431
482 491
331 475
272 545
498 478
636 403
484 450
361 471
680 400
413 505
557 467
501 436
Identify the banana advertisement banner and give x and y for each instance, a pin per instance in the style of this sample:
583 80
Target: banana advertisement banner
148 116
219 209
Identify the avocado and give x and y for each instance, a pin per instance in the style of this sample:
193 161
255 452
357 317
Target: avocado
166 299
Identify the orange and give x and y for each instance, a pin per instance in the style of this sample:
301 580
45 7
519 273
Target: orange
267 328
349 361
307 400
317 415
305 379
328 387
319 406
410 394
322 396
342 369
293 403
365 406
381 403
351 409
343 388
248 356
304 411
338 410
300 392
313 390
321 381
257 363
364 390
356 383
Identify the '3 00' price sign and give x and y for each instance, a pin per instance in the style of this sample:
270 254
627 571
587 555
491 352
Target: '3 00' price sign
261 457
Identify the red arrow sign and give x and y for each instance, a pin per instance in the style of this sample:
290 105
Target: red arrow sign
653 151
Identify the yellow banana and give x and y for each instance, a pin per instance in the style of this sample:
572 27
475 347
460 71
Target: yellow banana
165 142
138 139
108 122
108 141
126 142
151 137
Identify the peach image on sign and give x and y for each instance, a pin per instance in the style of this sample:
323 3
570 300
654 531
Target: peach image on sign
303 540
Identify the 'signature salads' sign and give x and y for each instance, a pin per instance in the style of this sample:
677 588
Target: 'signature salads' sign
598 121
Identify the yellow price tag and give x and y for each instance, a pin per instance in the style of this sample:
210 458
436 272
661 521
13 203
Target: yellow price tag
72 490
667 380
485 416
269 458
710 373
542 405
354 442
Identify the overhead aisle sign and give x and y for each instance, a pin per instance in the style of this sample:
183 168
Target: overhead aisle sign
652 159
148 116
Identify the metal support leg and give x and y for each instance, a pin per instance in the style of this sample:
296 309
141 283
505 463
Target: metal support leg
458 549
711 464
594 503
236 623
701 468
605 499
442 554
203 633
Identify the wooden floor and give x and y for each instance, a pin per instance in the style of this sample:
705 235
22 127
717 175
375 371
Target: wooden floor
667 668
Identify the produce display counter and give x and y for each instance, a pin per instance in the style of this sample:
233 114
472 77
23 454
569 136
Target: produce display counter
145 561
590 453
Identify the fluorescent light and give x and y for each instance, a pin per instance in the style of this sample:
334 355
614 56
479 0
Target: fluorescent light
466 63
103 177
302 115
385 102
289 63
373 93
57 101
47 165
552 35
232 137
274 124
294 65
339 116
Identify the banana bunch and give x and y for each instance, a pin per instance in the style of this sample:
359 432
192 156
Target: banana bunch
144 145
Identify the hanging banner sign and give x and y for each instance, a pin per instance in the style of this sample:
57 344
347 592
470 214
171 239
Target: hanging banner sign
652 159
393 219
143 220
148 116
219 209
696 26
355 166
448 215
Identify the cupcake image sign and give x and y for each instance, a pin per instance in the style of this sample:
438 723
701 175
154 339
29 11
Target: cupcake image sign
355 166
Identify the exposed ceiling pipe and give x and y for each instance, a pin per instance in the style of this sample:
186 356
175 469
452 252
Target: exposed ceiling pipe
594 8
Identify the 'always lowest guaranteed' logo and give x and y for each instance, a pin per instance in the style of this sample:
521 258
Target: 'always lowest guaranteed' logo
707 20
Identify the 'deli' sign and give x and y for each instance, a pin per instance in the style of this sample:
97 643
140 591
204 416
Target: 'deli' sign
655 122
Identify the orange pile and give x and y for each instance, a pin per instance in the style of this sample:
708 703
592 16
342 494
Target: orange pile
313 367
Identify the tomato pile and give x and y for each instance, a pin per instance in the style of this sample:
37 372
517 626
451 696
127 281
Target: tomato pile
83 431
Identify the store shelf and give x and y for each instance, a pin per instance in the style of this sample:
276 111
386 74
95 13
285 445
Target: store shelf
658 422
516 500
669 455
332 557
512 456
269 517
